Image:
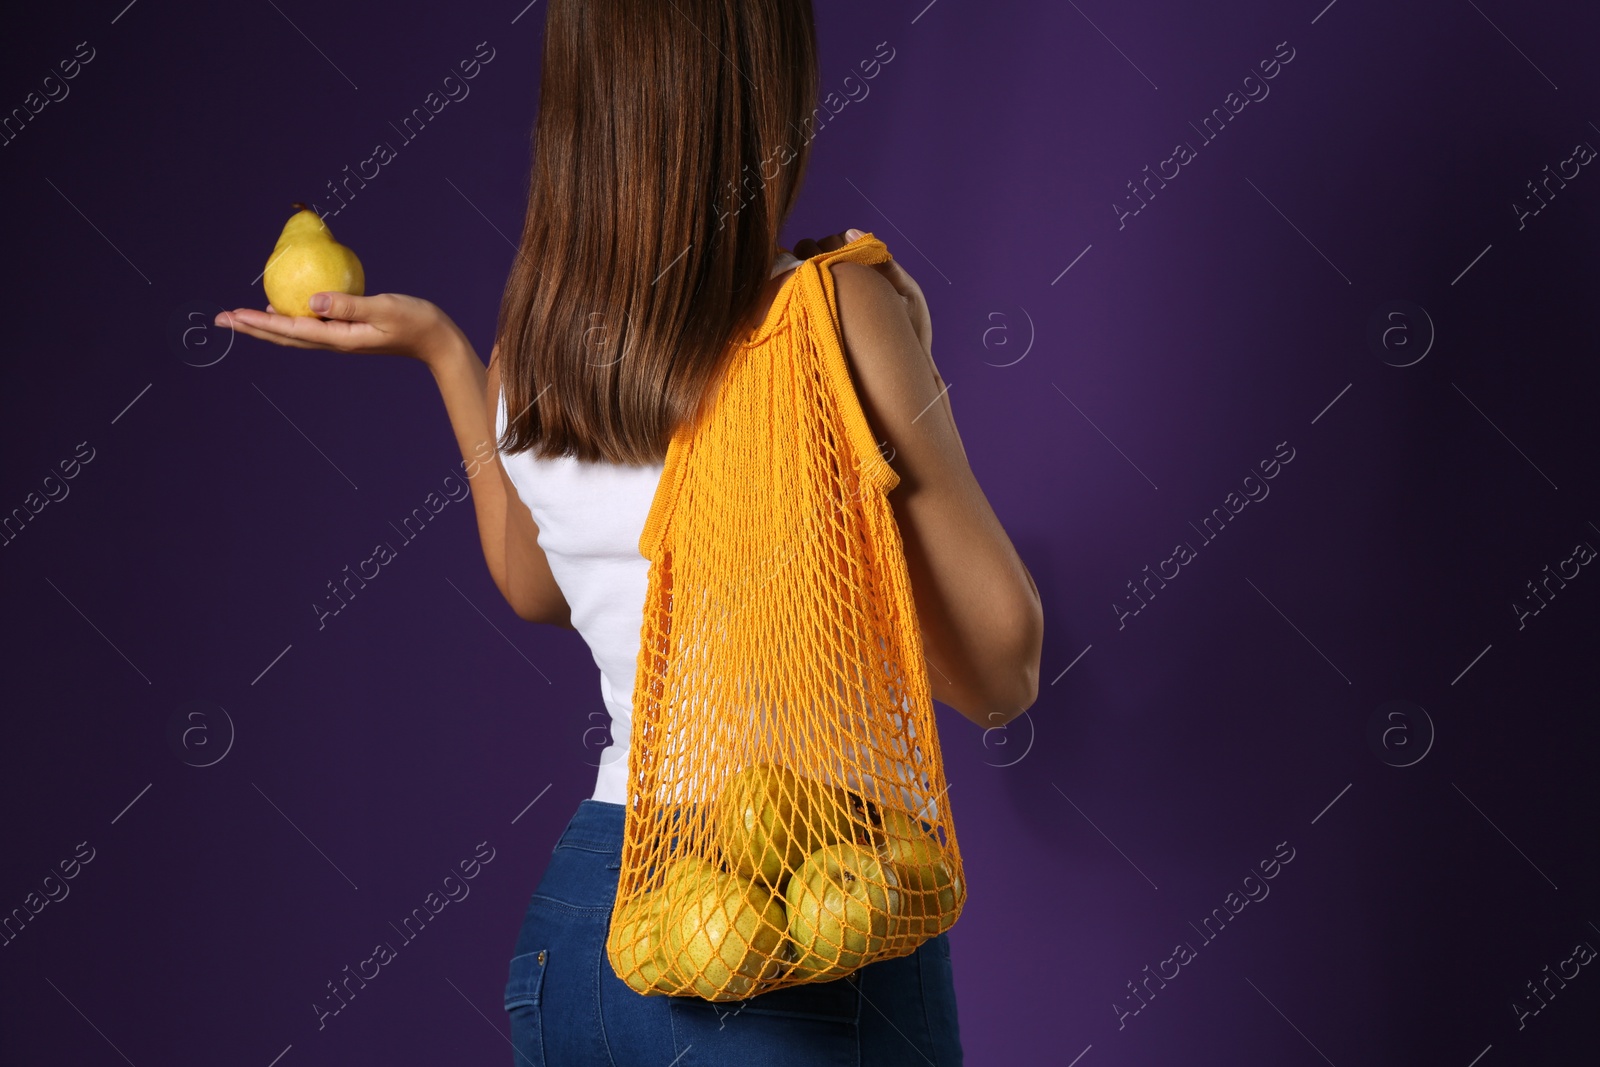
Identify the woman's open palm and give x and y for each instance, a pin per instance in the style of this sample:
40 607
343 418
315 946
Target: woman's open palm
389 323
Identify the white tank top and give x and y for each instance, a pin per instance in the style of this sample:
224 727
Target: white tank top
590 516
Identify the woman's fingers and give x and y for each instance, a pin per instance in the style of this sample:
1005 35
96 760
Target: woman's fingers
834 241
346 307
340 306
298 331
383 323
910 292
239 324
805 248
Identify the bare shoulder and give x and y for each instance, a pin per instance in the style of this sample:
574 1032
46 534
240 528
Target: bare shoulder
869 306
894 378
879 342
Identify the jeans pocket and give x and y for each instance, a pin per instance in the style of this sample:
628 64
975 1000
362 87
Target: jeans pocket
838 1001
523 990
809 1025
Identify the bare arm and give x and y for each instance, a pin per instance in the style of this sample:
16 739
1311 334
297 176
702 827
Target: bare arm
509 536
982 623
418 329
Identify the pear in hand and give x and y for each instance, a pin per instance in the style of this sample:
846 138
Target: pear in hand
308 260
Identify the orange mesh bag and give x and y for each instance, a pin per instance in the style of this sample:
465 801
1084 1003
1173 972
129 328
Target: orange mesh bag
787 819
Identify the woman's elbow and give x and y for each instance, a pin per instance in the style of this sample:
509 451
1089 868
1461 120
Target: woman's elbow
531 609
1006 705
1020 688
557 614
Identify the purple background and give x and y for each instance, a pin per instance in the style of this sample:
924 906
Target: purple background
1104 408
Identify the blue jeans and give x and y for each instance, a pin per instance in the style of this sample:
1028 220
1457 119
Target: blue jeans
569 1009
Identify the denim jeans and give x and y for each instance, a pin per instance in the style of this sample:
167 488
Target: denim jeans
568 1008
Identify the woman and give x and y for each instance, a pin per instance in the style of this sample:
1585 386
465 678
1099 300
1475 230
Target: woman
668 151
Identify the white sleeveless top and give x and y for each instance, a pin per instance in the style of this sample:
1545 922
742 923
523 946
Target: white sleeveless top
590 516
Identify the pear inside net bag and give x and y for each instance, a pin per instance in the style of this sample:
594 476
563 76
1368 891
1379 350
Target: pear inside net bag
787 816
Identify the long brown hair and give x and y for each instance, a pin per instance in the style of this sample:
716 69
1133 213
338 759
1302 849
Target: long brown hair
668 151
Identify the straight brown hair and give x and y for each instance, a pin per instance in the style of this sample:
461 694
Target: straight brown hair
668 151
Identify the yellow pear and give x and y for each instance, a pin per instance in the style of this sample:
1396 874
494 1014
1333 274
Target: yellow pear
302 224
933 894
635 946
758 823
767 820
307 260
843 903
836 815
724 933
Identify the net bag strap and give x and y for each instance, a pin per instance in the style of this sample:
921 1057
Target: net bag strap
813 307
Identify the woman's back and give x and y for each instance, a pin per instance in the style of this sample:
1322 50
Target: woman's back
590 516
